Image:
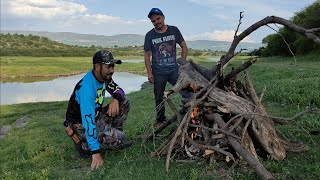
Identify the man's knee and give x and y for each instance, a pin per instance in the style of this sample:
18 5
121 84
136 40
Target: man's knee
77 134
125 106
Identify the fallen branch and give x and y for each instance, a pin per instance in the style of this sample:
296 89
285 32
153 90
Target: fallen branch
147 137
173 140
252 161
239 69
268 20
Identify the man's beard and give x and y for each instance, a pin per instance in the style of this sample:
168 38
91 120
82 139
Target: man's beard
159 26
108 76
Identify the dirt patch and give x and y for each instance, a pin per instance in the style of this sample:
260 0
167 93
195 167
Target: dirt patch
19 123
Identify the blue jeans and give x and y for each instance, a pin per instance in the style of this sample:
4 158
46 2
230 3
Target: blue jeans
160 82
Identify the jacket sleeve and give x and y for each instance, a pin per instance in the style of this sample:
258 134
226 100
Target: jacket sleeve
86 99
115 91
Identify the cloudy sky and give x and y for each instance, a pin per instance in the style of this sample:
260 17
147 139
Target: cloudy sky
196 19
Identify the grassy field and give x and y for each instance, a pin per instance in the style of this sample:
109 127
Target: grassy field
41 150
13 67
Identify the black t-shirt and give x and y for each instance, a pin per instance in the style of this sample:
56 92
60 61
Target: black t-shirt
163 48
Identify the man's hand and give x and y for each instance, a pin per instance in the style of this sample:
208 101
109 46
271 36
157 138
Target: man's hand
150 77
113 110
97 161
181 61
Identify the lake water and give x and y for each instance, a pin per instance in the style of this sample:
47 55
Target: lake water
133 61
216 59
59 89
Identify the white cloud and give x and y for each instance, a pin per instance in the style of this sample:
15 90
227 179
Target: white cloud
100 18
250 7
43 9
224 15
217 17
226 35
53 9
105 19
63 15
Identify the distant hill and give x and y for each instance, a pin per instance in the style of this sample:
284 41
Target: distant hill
87 39
33 45
122 40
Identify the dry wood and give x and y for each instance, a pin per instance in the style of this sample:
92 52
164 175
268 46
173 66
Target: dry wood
263 130
173 140
217 129
149 136
187 75
200 146
162 147
229 116
310 34
258 167
239 69
230 103
254 97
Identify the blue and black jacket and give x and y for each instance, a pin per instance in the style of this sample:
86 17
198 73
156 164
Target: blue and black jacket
86 102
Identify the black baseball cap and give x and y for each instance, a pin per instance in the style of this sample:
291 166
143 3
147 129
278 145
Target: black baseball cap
154 11
105 57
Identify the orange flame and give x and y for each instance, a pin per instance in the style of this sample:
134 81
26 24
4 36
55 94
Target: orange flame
194 87
194 113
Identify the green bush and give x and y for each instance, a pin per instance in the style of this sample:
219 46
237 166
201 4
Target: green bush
308 18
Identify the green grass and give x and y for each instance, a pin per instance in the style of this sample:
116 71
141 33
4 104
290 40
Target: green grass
15 66
43 66
41 150
30 69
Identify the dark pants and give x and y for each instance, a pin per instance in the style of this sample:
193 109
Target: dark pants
160 82
110 130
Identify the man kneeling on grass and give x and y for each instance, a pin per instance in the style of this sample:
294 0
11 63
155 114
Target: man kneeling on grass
91 125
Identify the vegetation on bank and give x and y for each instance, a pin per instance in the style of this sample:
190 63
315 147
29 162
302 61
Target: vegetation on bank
23 66
31 45
42 150
16 66
36 46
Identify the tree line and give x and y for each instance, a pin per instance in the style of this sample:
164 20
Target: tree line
31 45
277 44
36 46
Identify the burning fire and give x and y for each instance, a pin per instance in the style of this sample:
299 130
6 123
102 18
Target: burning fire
194 115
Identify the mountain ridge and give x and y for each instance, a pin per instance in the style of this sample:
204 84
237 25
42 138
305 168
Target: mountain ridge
126 40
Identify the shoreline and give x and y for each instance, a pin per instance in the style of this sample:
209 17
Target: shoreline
142 73
41 76
143 86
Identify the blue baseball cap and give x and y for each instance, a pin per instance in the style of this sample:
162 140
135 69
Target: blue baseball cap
154 11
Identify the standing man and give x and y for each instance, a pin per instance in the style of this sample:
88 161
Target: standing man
90 125
160 43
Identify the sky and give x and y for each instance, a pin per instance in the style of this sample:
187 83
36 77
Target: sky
196 19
